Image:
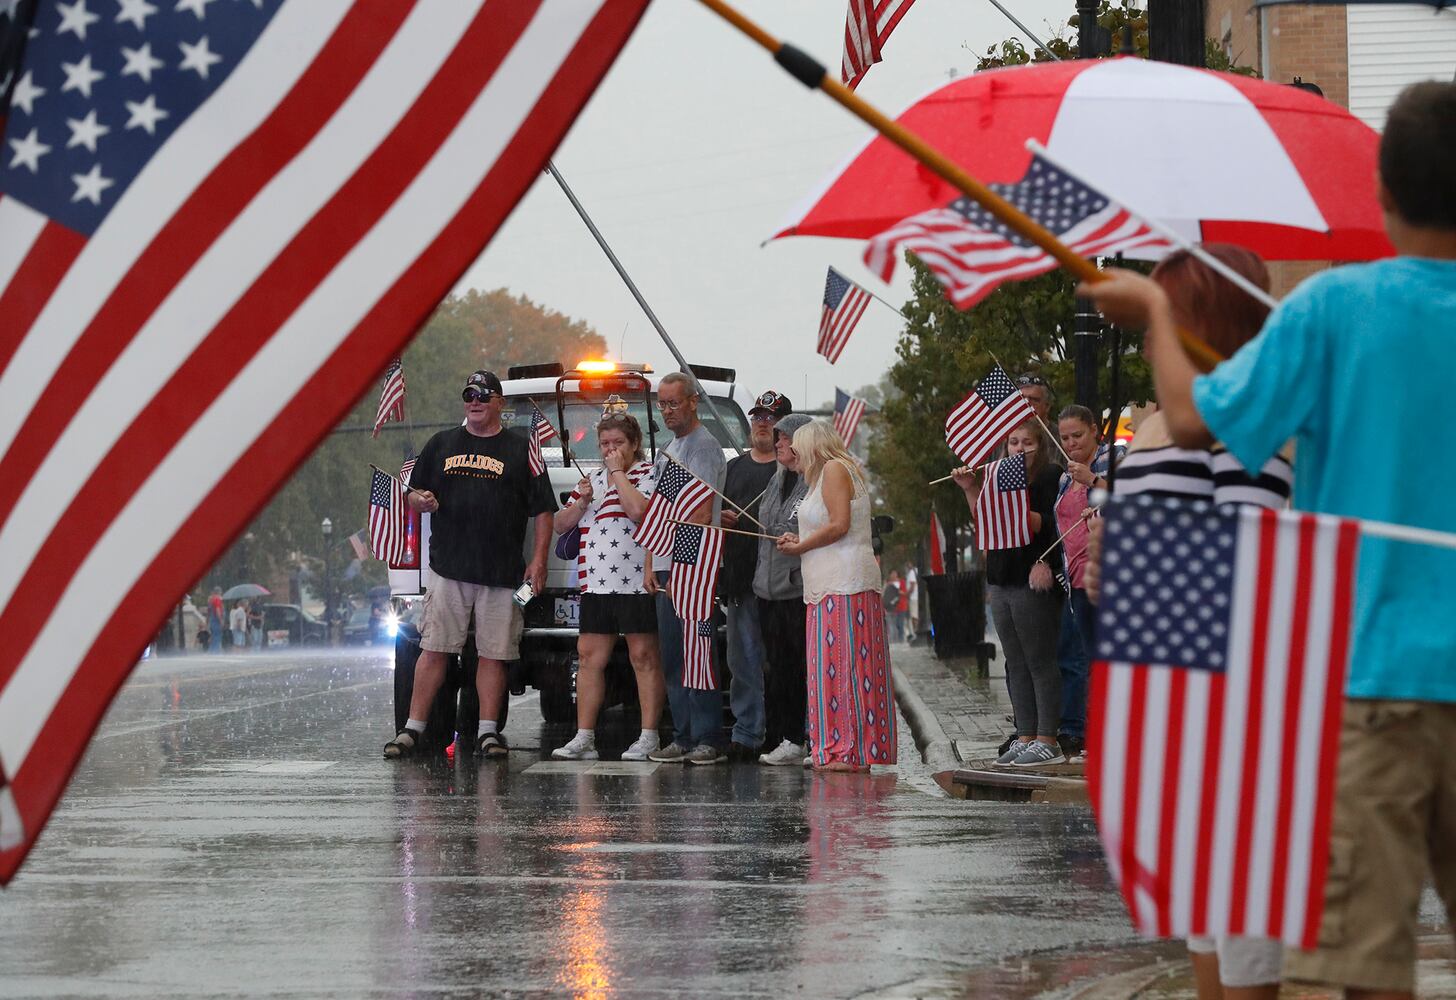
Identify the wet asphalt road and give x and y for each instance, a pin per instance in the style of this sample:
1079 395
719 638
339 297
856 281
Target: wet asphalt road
234 831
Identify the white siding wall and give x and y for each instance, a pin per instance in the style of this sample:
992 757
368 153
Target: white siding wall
1391 47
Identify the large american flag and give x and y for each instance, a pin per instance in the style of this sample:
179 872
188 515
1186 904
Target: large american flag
388 518
844 304
692 582
539 433
848 412
867 25
223 219
678 494
971 251
1003 504
1223 638
391 396
981 421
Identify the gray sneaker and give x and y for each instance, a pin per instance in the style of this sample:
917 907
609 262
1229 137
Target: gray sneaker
673 753
1039 755
1016 749
705 754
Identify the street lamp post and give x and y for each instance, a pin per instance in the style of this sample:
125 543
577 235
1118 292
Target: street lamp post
328 530
1093 41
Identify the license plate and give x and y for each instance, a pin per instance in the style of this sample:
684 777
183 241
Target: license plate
568 610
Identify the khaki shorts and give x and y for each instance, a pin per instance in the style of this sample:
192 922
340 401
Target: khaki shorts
448 607
1394 828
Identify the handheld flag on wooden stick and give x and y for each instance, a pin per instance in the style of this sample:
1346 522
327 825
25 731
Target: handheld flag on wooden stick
693 580
982 420
844 304
1222 646
231 273
391 397
677 495
1003 505
867 26
971 251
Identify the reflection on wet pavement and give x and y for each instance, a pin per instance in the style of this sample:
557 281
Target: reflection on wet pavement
233 831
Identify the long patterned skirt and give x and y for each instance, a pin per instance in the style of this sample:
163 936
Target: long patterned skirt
851 695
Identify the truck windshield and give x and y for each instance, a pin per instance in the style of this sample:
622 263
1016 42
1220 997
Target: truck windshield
582 415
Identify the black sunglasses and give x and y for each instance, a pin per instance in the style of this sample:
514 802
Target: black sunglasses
476 396
1030 380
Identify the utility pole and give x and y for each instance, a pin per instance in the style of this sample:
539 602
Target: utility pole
1093 42
1175 32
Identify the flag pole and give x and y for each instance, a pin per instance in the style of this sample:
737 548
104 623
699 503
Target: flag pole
812 74
632 287
719 527
1082 517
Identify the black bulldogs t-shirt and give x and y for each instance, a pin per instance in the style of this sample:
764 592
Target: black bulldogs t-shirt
487 495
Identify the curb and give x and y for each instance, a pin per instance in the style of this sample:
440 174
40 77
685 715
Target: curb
936 749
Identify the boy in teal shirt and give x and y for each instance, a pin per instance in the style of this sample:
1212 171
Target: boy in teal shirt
1353 365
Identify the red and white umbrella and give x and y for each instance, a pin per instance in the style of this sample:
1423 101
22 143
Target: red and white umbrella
1213 156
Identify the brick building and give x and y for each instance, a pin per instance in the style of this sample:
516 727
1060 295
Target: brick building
1360 56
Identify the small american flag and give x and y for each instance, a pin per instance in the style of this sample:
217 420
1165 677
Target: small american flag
678 494
693 580
388 515
391 397
1222 645
982 420
971 251
698 673
540 432
844 304
867 25
848 412
1003 504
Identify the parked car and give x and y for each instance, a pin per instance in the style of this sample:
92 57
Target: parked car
368 627
290 625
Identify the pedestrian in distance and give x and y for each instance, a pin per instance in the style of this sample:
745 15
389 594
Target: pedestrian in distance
778 588
605 508
1026 606
238 625
697 716
1087 469
477 483
912 596
215 621
1349 355
850 691
747 477
892 596
255 624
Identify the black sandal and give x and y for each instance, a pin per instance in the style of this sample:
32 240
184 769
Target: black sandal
492 746
405 743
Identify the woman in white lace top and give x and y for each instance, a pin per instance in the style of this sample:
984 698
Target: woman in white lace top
851 697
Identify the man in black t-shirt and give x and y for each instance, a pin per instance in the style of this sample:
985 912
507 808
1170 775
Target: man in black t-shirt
476 482
744 484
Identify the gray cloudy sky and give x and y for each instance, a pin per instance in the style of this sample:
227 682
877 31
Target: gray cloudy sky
689 155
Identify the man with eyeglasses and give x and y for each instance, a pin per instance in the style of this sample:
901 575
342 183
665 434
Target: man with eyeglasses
476 482
697 716
748 476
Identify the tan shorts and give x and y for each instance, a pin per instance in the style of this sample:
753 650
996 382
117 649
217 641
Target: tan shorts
1394 828
448 607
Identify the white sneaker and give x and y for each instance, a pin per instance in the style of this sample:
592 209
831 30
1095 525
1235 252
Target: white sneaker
581 747
783 755
646 743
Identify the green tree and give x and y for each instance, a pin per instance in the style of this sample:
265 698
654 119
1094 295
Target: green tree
467 331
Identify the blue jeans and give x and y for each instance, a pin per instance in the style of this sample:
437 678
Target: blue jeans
214 634
1072 663
697 716
746 656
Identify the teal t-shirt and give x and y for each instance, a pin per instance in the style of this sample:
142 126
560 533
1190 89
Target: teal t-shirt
1357 365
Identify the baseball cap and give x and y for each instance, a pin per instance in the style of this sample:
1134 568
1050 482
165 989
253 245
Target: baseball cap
772 402
484 381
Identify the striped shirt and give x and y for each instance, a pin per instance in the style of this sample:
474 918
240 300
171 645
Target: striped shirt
1155 466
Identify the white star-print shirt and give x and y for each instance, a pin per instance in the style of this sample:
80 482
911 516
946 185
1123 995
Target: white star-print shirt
609 561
